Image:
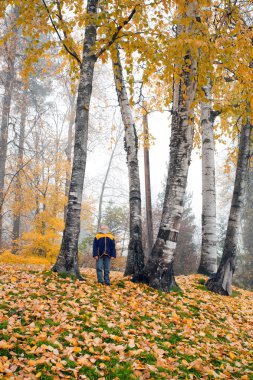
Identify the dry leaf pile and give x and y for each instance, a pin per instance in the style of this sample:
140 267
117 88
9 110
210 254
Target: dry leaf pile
59 328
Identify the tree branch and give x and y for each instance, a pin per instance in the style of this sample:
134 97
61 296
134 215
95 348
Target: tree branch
116 33
70 51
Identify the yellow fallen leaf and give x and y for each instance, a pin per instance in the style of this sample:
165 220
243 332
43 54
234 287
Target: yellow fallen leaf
77 349
38 374
84 362
232 355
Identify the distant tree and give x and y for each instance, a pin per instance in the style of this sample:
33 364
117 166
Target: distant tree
115 217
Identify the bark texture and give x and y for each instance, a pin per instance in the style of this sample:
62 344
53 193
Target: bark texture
135 259
10 50
208 262
67 261
222 281
150 235
159 269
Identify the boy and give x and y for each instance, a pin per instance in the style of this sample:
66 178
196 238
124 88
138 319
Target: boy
103 251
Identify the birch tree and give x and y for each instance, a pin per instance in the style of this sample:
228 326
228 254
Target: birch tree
67 260
208 263
135 259
222 282
159 268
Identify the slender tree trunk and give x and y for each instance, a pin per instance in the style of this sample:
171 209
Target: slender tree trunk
222 282
208 263
104 184
150 235
11 48
68 152
18 197
67 260
135 260
159 268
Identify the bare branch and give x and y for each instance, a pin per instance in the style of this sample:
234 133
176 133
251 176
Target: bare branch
71 51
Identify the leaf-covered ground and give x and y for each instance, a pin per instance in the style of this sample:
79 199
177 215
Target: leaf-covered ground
59 328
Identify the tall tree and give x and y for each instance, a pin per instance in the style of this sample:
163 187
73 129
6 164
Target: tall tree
159 269
222 282
135 259
10 56
208 262
67 260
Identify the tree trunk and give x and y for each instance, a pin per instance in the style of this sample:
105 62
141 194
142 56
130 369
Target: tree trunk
135 259
208 262
222 282
18 197
67 261
159 268
11 49
150 235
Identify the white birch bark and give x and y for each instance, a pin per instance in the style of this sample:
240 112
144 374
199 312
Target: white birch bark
222 282
135 260
67 260
159 268
208 262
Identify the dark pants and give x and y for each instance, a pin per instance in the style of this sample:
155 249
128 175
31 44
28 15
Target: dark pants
103 269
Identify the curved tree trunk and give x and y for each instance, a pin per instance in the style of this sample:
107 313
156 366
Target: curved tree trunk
208 262
135 259
67 261
159 269
222 282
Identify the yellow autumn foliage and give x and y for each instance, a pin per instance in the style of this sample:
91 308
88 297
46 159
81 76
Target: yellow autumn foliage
8 258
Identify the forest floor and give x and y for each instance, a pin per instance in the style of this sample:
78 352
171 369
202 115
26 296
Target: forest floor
59 328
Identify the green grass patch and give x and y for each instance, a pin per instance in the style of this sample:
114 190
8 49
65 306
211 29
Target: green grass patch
3 325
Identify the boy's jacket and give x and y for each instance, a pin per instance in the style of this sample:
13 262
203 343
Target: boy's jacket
104 245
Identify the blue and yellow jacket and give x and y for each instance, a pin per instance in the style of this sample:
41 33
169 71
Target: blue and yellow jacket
104 244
